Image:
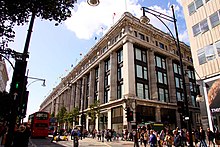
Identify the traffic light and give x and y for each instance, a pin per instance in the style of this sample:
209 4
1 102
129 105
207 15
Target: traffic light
23 99
130 116
18 78
181 108
24 104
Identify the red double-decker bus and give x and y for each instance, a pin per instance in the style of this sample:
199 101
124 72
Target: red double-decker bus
39 123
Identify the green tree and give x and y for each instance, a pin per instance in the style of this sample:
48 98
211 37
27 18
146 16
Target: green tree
52 114
18 12
94 112
73 114
61 115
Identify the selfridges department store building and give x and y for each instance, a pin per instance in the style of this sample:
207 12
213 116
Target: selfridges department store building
132 65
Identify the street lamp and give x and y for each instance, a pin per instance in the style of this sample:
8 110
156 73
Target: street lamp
35 80
161 17
93 2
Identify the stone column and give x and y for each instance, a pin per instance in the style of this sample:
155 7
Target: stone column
171 80
128 69
77 94
71 98
101 81
152 76
113 74
91 86
109 113
158 114
84 84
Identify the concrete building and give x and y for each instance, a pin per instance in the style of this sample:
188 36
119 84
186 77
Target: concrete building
3 75
132 65
203 19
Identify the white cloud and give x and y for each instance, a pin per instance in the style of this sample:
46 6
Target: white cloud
86 21
184 37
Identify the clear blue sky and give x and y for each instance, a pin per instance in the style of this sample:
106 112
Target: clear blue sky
55 49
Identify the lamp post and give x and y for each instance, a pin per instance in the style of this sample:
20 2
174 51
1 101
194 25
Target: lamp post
161 17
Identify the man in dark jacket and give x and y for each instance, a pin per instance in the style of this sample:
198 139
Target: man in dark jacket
202 137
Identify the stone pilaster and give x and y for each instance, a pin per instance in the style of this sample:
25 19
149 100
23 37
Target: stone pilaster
158 114
128 69
77 94
92 86
101 81
109 113
113 74
171 80
152 76
83 95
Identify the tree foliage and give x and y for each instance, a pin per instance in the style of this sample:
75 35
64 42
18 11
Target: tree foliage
94 111
61 115
18 12
72 115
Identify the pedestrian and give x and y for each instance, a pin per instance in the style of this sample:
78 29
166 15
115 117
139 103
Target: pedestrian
75 137
27 133
211 136
20 137
177 138
135 135
54 135
202 137
152 139
99 135
103 135
146 138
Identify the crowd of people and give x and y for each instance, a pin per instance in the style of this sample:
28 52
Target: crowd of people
165 137
21 135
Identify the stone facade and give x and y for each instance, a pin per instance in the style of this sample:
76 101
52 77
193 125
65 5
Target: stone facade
110 73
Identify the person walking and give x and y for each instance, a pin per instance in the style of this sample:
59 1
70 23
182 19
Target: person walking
211 136
202 137
54 134
152 139
146 138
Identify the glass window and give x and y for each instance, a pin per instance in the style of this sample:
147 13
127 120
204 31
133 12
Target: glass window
214 19
209 52
139 71
140 88
144 56
175 68
120 56
142 36
201 56
161 45
178 96
218 47
191 8
198 3
146 92
165 78
145 73
119 73
138 54
196 29
158 60
160 77
161 95
177 82
204 26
